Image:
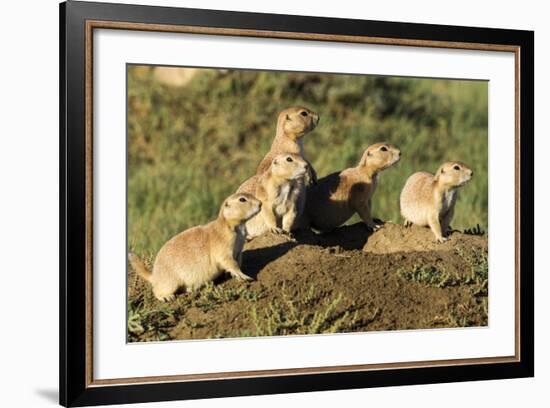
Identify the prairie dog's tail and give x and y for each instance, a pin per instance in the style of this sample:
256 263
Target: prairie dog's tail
139 266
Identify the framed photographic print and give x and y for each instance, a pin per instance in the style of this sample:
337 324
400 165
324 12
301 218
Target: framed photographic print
255 203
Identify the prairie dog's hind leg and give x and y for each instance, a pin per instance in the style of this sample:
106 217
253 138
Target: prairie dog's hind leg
165 291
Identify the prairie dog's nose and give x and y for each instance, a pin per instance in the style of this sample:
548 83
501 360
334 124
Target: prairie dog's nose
316 118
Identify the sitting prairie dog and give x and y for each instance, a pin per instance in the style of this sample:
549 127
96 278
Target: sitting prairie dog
340 195
200 254
292 124
281 191
429 200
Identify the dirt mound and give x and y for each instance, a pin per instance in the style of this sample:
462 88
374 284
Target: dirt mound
395 238
346 280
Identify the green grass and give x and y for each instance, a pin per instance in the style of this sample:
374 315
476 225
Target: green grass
428 275
154 322
475 277
150 320
286 315
478 263
311 312
190 147
212 296
478 276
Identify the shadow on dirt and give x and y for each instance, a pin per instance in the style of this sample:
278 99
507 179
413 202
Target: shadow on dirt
268 248
254 260
348 237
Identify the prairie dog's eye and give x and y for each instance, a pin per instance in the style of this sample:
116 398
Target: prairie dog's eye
384 149
242 200
303 113
289 159
456 168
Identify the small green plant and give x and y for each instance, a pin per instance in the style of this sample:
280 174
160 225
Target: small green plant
293 316
428 275
212 296
479 270
432 276
135 328
149 325
467 315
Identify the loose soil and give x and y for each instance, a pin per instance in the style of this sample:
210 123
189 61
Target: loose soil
348 280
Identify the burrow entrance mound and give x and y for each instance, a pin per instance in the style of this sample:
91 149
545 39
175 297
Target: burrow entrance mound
347 280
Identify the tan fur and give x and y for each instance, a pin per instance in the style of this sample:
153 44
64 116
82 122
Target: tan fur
249 186
200 254
281 190
292 124
429 200
340 195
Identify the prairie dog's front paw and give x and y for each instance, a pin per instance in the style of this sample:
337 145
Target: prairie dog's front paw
373 227
242 277
289 235
440 240
168 298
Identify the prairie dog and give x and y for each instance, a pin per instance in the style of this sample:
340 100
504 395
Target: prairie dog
280 190
200 254
340 195
292 124
429 200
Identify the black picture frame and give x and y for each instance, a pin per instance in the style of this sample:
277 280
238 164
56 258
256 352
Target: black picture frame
75 387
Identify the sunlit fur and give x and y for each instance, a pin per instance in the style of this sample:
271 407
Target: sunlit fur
281 190
338 196
200 254
292 125
429 200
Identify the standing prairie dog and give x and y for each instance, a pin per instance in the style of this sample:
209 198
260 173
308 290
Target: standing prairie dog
429 200
292 124
280 190
340 195
200 254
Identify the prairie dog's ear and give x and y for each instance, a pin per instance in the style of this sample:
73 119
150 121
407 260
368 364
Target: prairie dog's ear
287 116
226 204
